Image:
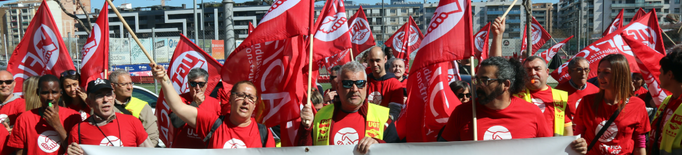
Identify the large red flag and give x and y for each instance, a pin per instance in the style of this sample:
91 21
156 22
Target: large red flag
96 50
449 36
332 34
645 30
430 103
186 57
292 13
549 53
404 41
481 42
41 51
361 33
539 37
647 59
250 27
639 14
616 24
337 59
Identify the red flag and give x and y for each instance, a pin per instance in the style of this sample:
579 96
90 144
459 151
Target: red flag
647 59
430 103
250 28
361 33
41 51
481 42
404 41
616 24
449 36
187 56
645 30
453 72
332 34
539 37
549 53
638 15
337 59
96 50
282 12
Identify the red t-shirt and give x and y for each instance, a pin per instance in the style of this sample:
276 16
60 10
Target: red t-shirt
348 128
83 111
385 91
519 120
640 91
618 138
404 82
4 135
12 110
575 95
186 136
36 137
124 129
228 135
669 110
544 100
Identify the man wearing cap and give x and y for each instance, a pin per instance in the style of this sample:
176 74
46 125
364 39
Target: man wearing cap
185 135
105 127
43 130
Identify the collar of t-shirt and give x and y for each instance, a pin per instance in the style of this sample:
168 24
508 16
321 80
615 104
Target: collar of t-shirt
576 87
95 118
123 103
14 97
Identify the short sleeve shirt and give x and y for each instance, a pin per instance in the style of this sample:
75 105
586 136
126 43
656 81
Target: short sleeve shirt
36 137
228 135
124 131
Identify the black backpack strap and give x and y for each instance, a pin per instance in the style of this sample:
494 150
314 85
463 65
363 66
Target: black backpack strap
79 133
215 126
263 134
606 126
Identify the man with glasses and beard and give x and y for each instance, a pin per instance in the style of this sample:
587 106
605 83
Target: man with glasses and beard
500 115
186 136
127 104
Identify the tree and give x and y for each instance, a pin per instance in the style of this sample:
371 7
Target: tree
70 14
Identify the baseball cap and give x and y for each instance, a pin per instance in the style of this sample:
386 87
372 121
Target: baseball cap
98 84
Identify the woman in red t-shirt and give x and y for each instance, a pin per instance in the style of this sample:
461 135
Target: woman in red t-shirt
626 134
73 97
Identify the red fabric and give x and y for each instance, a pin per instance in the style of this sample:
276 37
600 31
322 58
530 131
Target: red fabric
40 52
404 82
549 53
431 104
614 43
36 137
187 56
96 50
12 110
618 138
250 27
574 96
519 120
277 72
294 14
362 38
124 129
616 24
340 58
648 59
83 111
228 135
332 35
288 132
640 91
346 129
404 41
4 135
544 100
639 14
186 136
383 92
449 36
539 36
481 42
304 136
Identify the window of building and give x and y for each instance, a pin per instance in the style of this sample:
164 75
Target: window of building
677 10
392 19
392 10
403 10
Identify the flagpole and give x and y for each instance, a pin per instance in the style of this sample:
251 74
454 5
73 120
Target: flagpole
125 24
562 48
310 59
473 101
666 35
509 9
352 57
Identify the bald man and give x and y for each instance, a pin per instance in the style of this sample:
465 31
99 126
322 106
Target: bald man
12 105
384 89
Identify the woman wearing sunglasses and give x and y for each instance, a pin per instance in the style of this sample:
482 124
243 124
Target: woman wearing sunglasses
461 89
73 95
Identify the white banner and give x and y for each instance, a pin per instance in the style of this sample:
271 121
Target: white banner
532 146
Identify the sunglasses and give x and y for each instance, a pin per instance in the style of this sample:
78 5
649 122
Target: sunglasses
332 77
69 72
7 82
468 95
194 84
348 84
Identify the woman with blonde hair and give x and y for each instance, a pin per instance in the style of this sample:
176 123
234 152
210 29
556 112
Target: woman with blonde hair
624 116
30 90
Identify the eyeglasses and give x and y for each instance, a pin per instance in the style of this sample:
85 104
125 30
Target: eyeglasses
194 84
468 95
7 82
348 84
586 70
485 81
124 84
69 72
244 96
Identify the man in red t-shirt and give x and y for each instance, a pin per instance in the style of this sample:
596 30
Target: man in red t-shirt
186 136
12 105
105 127
383 88
577 86
43 130
235 130
501 116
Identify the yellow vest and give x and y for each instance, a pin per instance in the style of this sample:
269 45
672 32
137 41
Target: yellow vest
670 138
135 106
560 101
376 117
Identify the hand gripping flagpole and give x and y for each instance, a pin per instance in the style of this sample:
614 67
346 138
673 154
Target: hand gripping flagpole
310 60
473 100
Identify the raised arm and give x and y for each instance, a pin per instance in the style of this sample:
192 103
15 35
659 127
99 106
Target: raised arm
498 33
186 112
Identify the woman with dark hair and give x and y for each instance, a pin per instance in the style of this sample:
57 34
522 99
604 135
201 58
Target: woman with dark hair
614 106
462 90
73 96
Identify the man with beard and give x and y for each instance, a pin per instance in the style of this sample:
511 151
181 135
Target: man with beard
501 114
577 87
552 102
383 88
